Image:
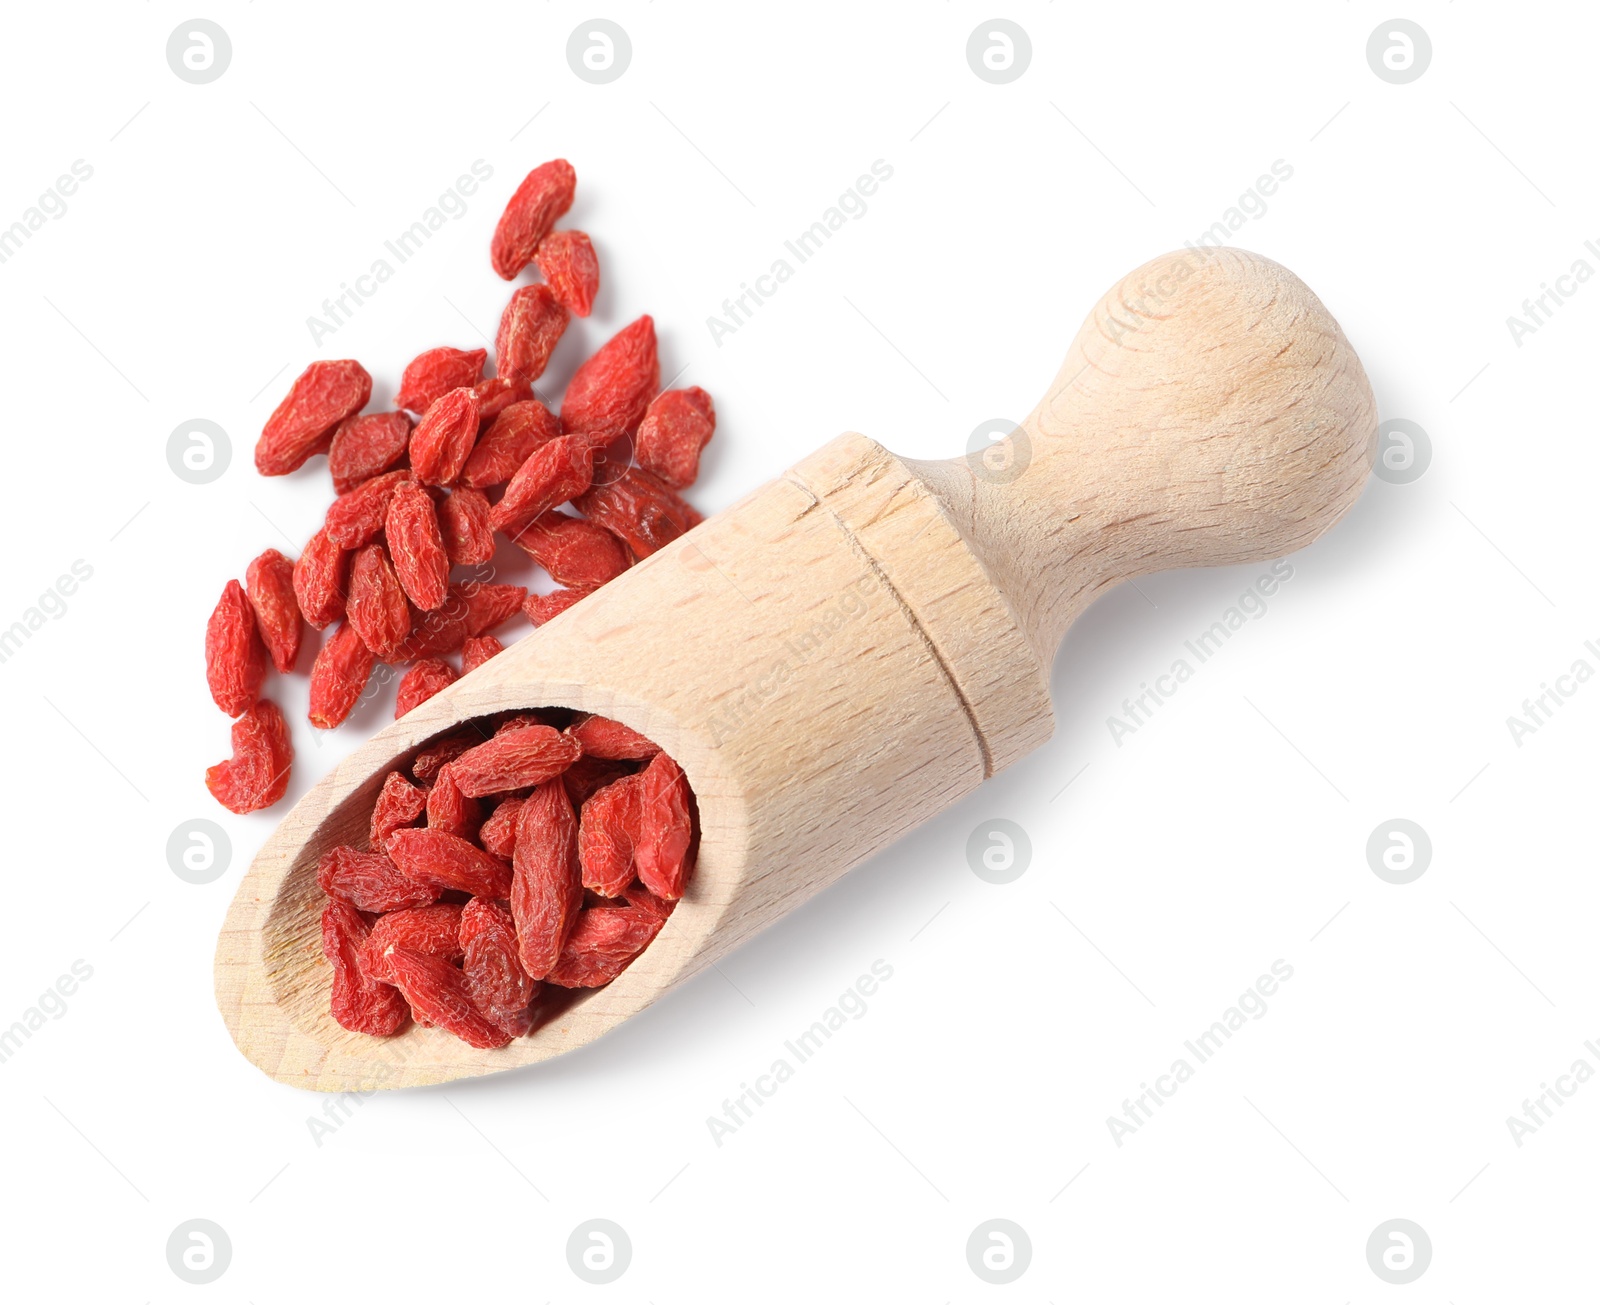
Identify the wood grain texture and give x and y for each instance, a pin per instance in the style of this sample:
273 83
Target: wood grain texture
858 644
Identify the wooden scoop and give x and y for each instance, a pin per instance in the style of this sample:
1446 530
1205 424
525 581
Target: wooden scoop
863 641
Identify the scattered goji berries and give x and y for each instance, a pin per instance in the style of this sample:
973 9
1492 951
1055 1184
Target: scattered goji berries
544 195
236 661
676 427
610 392
434 373
321 397
257 774
566 261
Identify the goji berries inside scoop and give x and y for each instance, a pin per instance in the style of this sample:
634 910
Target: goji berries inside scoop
509 863
400 584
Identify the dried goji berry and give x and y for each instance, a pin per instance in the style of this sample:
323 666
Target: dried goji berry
601 945
499 832
270 583
450 810
369 880
500 987
257 774
432 930
437 992
640 510
665 829
444 437
440 753
636 894
540 608
364 446
321 397
555 473
518 759
446 861
400 804
608 827
421 682
340 673
435 372
676 427
355 518
474 652
319 580
508 443
376 607
464 525
610 392
547 887
497 394
530 328
416 546
490 606
566 260
236 659
360 1004
588 775
544 195
611 739
576 553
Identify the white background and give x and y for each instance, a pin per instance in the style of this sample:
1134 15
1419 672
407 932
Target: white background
1226 834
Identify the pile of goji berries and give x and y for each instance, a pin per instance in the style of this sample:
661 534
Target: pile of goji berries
552 848
484 458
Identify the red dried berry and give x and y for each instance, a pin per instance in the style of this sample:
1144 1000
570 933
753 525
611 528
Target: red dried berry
665 829
609 394
446 861
444 437
497 394
508 443
464 525
588 775
377 607
640 510
566 260
611 739
270 584
437 992
432 930
355 518
608 828
547 887
236 659
498 833
360 1004
450 811
435 372
602 943
417 547
340 673
556 473
490 606
500 987
636 894
421 682
544 195
257 774
676 427
540 608
530 328
400 804
322 396
576 553
474 652
366 445
368 880
319 580
439 754
518 759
